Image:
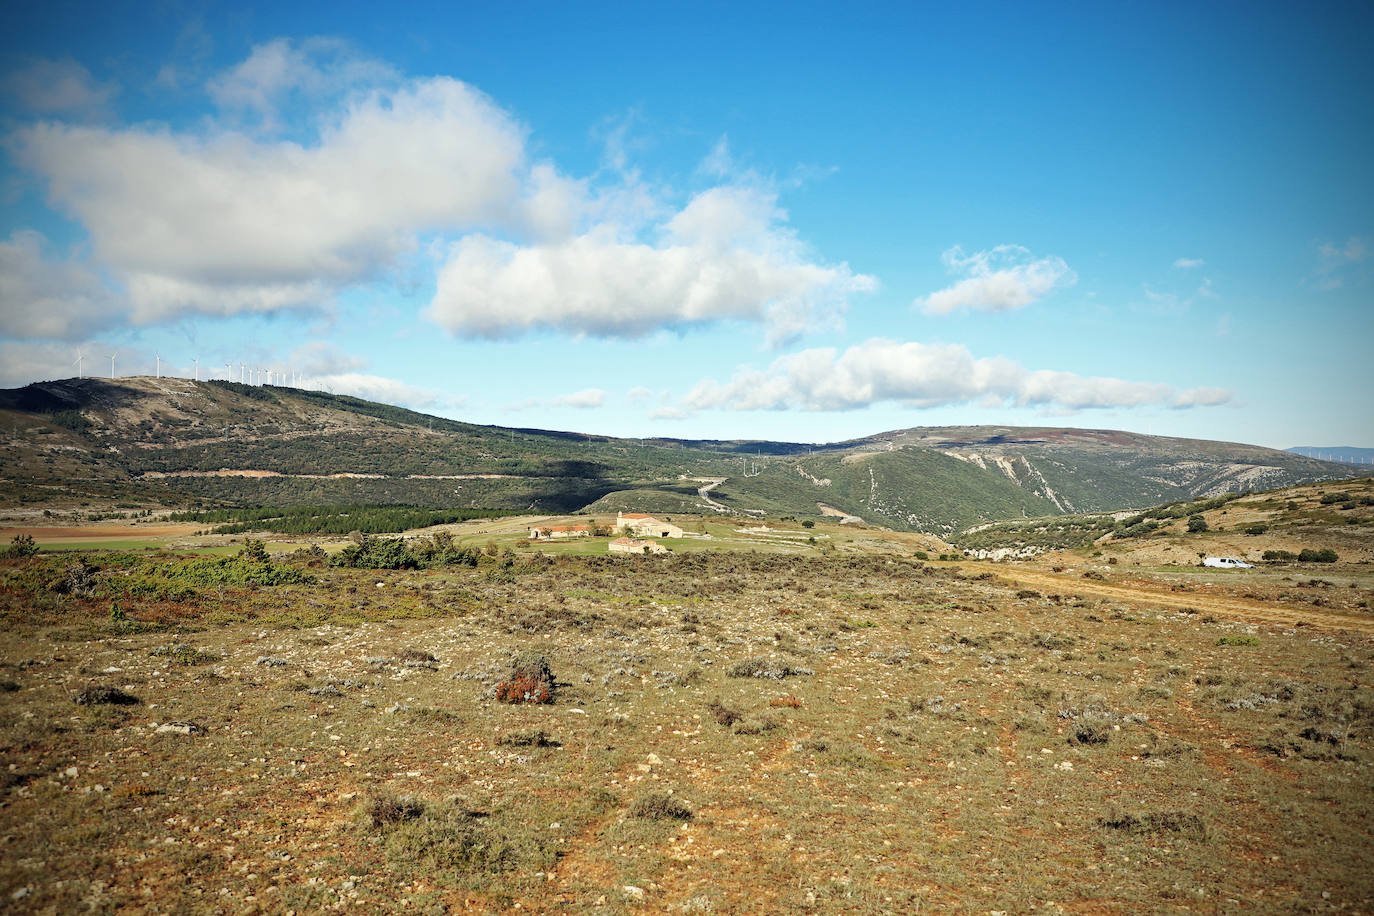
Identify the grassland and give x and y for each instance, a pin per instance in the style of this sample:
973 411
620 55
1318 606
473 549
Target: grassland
755 728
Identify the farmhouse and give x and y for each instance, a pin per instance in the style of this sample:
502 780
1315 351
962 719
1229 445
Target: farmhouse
634 545
550 532
646 526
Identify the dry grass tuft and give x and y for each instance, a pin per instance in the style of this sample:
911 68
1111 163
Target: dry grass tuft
661 806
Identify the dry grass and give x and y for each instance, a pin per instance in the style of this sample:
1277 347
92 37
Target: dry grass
944 744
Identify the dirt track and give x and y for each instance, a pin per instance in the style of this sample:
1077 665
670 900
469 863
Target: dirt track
1140 592
55 533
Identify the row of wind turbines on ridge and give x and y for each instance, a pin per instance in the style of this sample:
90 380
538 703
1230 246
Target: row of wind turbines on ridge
248 375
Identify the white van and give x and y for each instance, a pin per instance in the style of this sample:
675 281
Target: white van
1227 563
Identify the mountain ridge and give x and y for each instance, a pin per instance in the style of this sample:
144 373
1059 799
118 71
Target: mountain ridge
176 442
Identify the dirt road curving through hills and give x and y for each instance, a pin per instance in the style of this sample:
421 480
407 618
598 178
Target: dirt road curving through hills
1141 592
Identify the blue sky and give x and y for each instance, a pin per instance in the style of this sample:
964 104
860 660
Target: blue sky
793 221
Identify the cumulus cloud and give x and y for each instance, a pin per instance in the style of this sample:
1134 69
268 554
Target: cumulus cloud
996 280
224 222
21 363
1201 397
384 390
727 254
279 69
586 398
380 175
925 375
58 87
321 358
1189 263
49 298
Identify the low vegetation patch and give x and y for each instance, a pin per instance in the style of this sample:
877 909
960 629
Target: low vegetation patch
661 806
1156 822
333 519
97 695
531 681
767 669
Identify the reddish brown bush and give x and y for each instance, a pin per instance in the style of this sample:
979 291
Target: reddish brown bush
525 689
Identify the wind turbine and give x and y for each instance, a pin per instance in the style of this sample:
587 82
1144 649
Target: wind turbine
158 357
78 363
197 368
112 357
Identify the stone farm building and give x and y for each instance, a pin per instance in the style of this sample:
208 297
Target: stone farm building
550 532
646 526
634 545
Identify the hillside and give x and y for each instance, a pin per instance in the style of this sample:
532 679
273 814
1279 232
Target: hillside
1276 525
1346 454
145 442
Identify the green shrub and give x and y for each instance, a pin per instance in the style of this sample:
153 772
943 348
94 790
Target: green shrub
1256 529
1280 555
21 546
376 553
1325 555
70 419
1196 524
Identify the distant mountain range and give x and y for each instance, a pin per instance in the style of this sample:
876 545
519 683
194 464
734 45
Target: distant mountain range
148 442
1343 453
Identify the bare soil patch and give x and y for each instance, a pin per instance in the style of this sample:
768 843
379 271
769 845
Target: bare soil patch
76 533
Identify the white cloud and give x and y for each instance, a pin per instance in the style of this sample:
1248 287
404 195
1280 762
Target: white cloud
225 223
718 162
59 87
384 178
277 69
639 393
383 390
22 363
45 298
321 358
726 255
924 375
1201 397
668 413
997 280
586 398
1334 261
1354 249
1189 263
